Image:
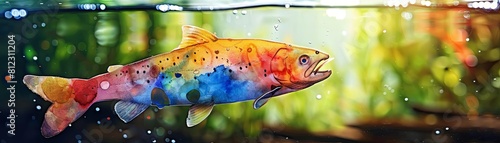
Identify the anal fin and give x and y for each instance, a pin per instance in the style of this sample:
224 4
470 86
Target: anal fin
128 110
198 113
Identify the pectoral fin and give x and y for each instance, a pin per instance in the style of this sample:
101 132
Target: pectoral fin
198 113
114 67
259 102
128 110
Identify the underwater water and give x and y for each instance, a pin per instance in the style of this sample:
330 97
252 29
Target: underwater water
402 70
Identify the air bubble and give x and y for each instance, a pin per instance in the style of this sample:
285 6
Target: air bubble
287 5
173 141
35 58
98 122
149 132
243 12
47 59
437 132
447 128
235 12
441 90
43 24
406 98
318 96
35 26
38 107
97 109
467 39
125 136
34 100
167 140
69 125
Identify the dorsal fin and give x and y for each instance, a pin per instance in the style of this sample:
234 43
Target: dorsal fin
192 35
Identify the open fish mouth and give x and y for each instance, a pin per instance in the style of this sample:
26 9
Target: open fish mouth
314 72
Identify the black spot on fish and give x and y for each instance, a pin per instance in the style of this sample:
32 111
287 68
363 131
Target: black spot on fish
147 66
215 70
162 68
160 61
194 60
227 60
167 59
177 75
143 71
265 75
187 56
159 97
177 57
195 53
317 52
121 73
216 51
126 71
216 57
241 68
249 64
203 59
195 78
137 72
246 66
142 65
264 70
193 96
116 75
174 63
208 74
147 81
230 70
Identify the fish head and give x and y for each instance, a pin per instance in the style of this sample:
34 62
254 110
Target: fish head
297 67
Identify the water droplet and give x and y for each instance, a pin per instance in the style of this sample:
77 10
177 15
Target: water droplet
104 85
437 132
287 5
447 128
235 12
406 98
97 109
125 136
38 107
98 122
149 132
243 12
35 58
318 96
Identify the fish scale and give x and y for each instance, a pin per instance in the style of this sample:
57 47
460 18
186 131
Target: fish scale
202 72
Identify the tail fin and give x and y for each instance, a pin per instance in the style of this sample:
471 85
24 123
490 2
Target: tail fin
70 98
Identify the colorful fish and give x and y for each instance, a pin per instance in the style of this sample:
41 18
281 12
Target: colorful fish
203 71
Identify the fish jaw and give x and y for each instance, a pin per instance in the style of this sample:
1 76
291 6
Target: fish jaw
313 73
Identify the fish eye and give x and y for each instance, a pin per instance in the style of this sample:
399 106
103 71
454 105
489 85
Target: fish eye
304 59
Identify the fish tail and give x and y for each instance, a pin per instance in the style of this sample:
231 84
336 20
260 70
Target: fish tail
70 98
